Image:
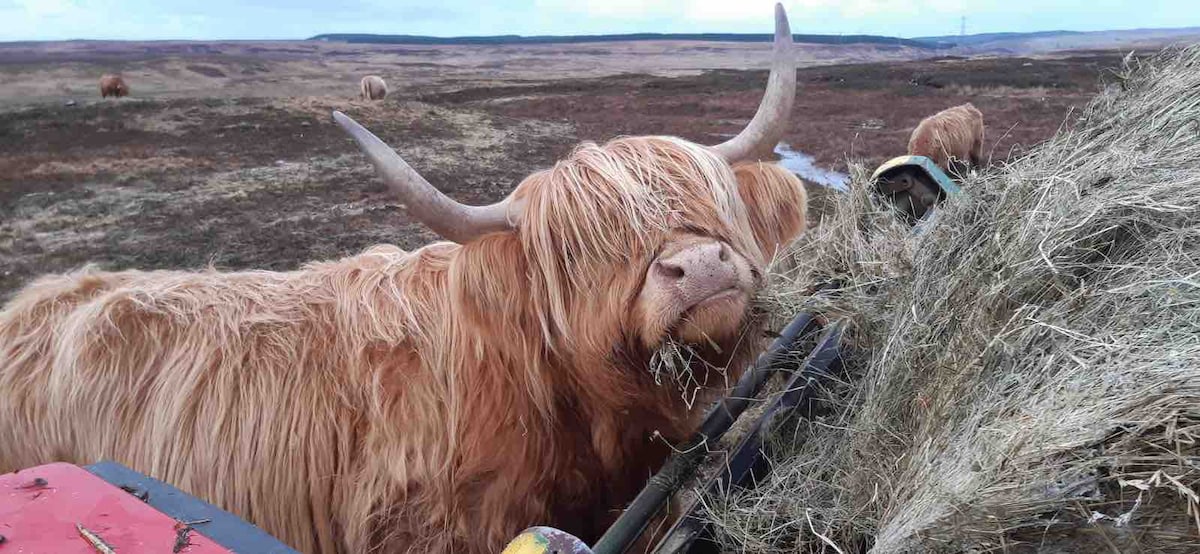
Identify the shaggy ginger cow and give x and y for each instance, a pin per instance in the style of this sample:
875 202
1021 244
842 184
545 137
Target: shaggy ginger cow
113 85
372 87
952 138
439 400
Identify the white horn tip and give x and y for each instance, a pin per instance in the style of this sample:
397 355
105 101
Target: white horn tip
782 29
352 127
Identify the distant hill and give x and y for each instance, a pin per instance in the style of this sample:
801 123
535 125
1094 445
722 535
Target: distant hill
970 40
982 43
1023 44
571 39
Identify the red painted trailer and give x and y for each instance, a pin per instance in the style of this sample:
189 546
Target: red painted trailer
106 508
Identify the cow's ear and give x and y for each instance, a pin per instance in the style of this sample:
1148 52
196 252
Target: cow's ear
775 201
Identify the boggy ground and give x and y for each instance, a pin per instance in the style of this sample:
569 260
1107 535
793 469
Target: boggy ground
269 182
860 112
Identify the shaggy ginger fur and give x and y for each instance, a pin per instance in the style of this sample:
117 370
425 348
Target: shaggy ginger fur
372 87
434 401
952 138
113 85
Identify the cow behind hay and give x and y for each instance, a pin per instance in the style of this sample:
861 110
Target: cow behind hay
1024 376
952 138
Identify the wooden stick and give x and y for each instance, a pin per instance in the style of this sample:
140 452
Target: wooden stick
95 540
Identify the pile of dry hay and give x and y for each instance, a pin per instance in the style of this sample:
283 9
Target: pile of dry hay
1024 375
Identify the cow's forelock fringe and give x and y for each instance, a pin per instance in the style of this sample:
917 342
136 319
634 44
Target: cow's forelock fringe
617 202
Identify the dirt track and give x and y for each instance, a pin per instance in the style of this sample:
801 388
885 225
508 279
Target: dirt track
268 182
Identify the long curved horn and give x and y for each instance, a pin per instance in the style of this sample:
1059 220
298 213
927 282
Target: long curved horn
445 216
771 120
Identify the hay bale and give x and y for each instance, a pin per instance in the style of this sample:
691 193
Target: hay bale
1025 374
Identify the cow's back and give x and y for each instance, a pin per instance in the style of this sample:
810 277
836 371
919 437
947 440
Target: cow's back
372 87
113 85
953 133
225 385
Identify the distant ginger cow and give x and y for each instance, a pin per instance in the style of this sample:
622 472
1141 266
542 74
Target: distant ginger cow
439 400
952 138
113 85
372 87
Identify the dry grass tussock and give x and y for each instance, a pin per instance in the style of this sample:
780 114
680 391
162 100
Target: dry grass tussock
1023 375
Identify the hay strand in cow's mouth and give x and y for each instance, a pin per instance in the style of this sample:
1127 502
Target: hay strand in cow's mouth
1023 374
672 364
679 364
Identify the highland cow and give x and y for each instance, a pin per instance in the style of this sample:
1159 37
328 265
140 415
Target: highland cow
113 85
372 87
439 400
952 138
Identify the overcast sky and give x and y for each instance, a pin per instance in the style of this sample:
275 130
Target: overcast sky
296 19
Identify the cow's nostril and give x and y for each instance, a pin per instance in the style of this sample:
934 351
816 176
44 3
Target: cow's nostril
724 255
670 270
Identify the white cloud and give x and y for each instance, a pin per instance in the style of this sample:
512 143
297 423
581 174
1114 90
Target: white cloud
727 11
47 8
805 10
755 15
209 19
631 9
97 19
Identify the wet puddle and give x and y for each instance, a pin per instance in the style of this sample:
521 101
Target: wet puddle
803 166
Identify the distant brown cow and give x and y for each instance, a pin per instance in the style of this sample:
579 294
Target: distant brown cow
952 138
113 85
372 87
